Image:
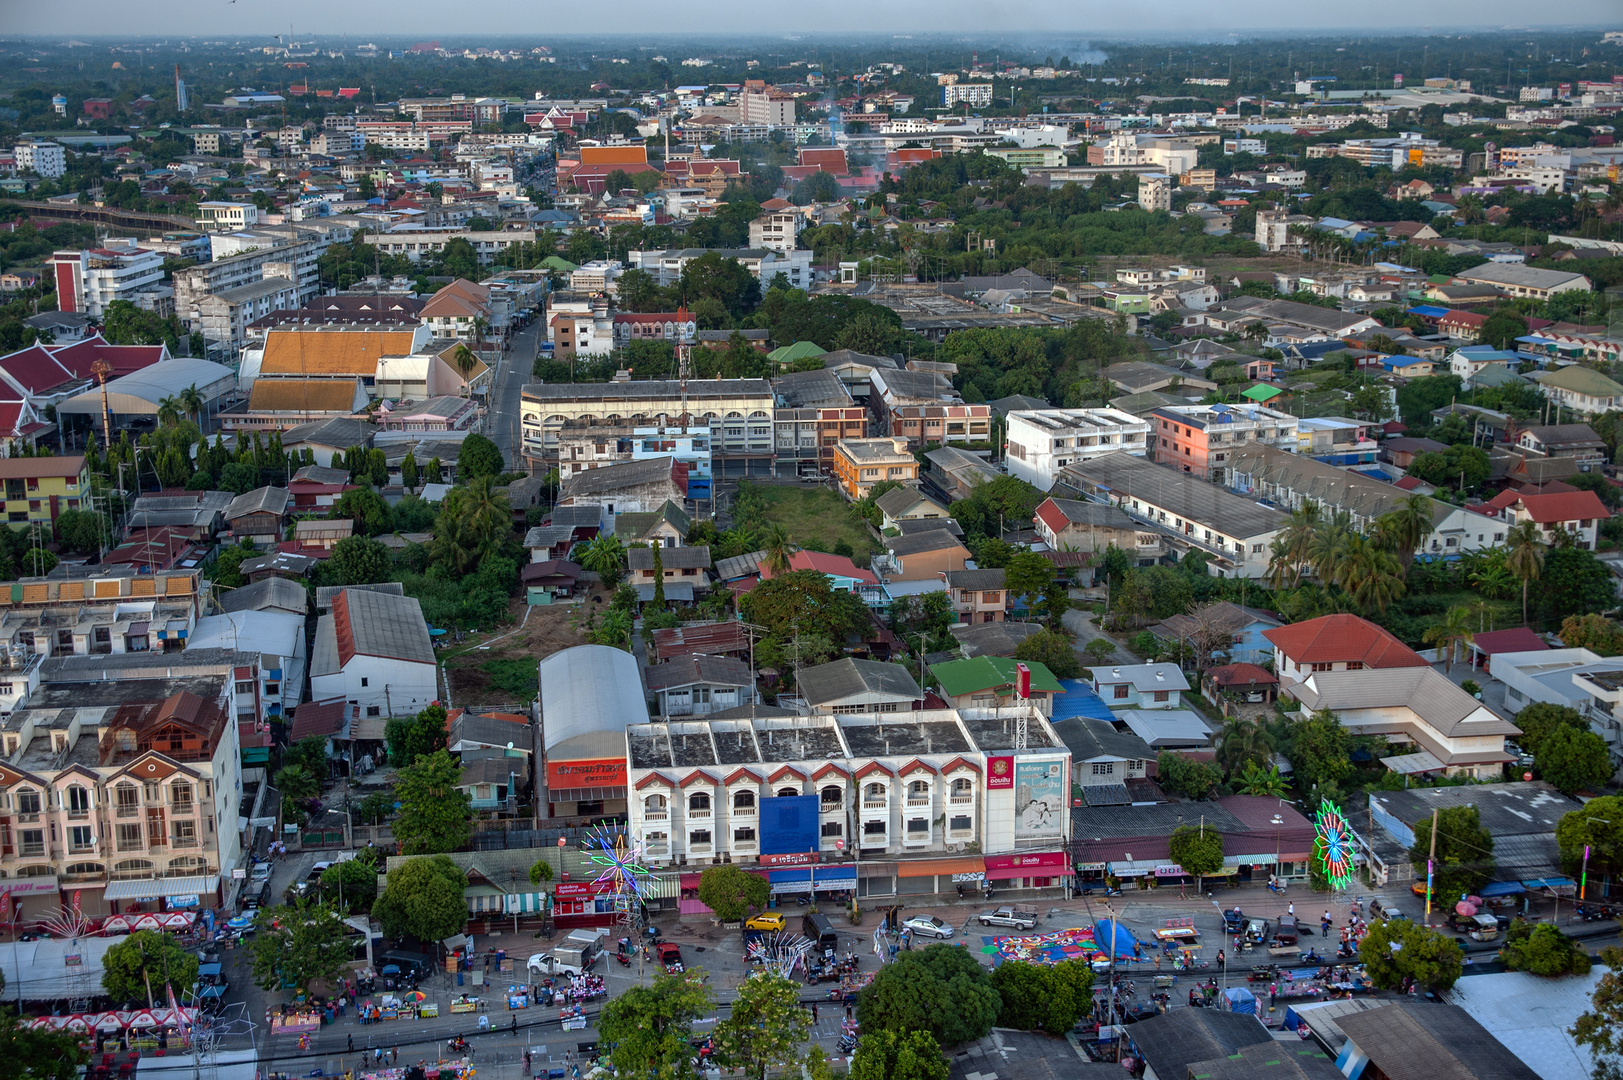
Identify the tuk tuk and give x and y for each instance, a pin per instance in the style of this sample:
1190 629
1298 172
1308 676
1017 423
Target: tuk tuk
1256 931
1484 928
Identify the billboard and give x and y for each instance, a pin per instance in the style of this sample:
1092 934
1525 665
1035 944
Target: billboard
1039 798
788 824
591 773
999 773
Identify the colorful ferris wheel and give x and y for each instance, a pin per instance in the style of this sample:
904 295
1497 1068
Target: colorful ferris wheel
1333 845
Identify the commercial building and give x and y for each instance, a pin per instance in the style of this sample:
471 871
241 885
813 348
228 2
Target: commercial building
1042 442
859 464
813 412
1200 439
47 160
414 244
922 407
1519 280
87 281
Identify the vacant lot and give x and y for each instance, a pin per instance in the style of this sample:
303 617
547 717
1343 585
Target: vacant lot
817 517
504 671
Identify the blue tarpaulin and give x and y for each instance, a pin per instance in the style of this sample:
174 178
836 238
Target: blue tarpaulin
1549 883
1125 943
1240 1000
1080 700
1501 888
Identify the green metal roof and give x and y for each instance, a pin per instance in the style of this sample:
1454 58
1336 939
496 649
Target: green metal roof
1262 392
800 350
959 677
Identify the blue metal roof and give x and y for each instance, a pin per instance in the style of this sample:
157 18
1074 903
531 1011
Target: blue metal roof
1430 311
1080 700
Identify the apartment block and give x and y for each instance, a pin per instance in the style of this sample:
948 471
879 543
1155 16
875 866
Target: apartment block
813 412
47 160
87 281
859 464
975 95
38 489
1198 439
1042 442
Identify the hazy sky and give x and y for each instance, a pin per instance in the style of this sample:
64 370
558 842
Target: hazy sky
247 18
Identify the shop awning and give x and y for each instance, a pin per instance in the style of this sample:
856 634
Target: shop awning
1550 883
835 877
791 882
174 886
530 903
1501 888
916 868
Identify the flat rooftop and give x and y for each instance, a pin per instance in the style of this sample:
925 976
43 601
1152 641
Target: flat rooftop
994 731
874 736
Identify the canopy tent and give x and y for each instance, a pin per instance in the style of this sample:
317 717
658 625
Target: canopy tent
47 970
1240 1000
1108 935
1502 888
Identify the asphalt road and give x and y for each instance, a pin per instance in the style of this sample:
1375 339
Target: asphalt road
513 370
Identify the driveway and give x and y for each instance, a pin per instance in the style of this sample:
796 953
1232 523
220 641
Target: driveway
1082 625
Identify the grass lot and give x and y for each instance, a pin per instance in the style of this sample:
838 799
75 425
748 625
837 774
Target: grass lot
817 517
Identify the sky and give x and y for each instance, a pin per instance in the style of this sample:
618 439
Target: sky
217 19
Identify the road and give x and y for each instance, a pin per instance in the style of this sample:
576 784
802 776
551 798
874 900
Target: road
513 370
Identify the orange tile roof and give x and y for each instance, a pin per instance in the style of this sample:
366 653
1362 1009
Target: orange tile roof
613 155
302 395
332 352
1341 639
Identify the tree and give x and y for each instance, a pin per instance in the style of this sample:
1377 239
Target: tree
1597 825
605 556
1594 632
1043 997
1053 650
82 531
541 873
408 472
1098 651
765 1028
473 523
732 892
357 560
1601 1028
1199 850
434 815
353 883
1502 328
411 737
1464 860
1573 760
423 900
28 1053
898 1055
1256 780
1540 720
297 944
365 507
1542 950
649 1029
1395 950
941 989
1027 575
138 968
1526 557
1187 776
238 477
1409 523
1574 580
1319 751
777 548
478 457
1242 743
1448 635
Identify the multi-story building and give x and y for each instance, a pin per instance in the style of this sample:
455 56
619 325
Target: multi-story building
759 103
87 281
412 135
1030 157
1071 525
120 789
38 489
1582 389
456 107
778 230
859 464
1042 442
737 413
924 798
975 95
277 257
100 611
1577 513
1198 439
1407 149
923 408
672 326
1273 230
581 449
813 412
223 216
1335 440
47 160
414 244
1155 192
223 317
764 263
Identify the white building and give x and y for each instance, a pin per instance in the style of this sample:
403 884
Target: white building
45 159
278 637
766 264
227 216
1155 192
778 230
87 281
416 243
1042 442
975 94
373 650
766 105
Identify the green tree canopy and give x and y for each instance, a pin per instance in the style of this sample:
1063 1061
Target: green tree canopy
765 1027
1319 750
356 560
1601 1028
1187 776
1043 997
299 943
1599 825
434 815
479 457
940 989
28 1053
423 899
1198 849
1573 760
138 968
731 892
1464 861
1053 650
1540 719
648 1029
898 1055
411 737
1395 949
1542 949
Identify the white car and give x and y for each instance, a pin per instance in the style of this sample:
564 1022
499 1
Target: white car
260 873
928 926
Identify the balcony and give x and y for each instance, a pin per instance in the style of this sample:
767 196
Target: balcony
831 808
918 802
78 815
699 815
31 851
875 804
128 811
183 842
655 815
743 811
657 850
27 817
961 800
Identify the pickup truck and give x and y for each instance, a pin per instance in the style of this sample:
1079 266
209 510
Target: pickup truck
1008 915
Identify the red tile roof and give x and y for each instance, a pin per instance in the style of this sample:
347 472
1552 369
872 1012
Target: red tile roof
1051 515
1409 483
1241 675
125 359
35 371
1342 639
1549 508
1516 639
318 718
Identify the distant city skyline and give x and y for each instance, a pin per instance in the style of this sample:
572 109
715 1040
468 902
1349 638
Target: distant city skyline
215 19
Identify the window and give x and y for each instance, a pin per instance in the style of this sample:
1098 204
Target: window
960 823
744 800
1322 666
918 789
962 788
128 837
1163 695
1355 665
743 836
874 828
181 796
1121 691
245 688
364 680
27 801
78 801
831 797
787 793
81 838
699 837
699 803
32 841
185 834
1104 768
918 825
874 793
832 829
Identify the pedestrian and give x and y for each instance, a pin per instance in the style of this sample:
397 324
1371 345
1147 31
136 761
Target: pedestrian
1290 909
814 1012
1157 961
848 1015
1219 959
394 1052
515 1025
351 1040
1181 886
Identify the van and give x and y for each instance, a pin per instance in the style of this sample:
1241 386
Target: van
256 895
818 930
421 963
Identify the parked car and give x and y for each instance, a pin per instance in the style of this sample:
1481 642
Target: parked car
1233 921
928 926
767 920
1009 915
260 873
1387 910
1287 932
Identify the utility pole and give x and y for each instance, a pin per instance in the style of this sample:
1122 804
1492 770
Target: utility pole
1431 862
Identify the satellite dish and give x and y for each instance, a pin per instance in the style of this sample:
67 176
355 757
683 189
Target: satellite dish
510 744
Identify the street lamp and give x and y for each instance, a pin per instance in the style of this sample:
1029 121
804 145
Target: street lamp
1278 822
1583 877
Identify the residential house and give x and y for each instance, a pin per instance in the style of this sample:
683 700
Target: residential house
373 650
1140 686
1246 682
953 474
276 638
698 684
1335 440
1519 280
728 638
666 527
842 574
1234 532
988 682
317 487
859 464
1472 359
549 581
1040 443
1333 643
991 639
1136 377
313 535
684 570
1104 758
1070 525
1578 513
1230 633
268 593
922 556
1199 439
630 486
38 489
908 504
978 596
1582 389
493 783
259 516
858 686
1576 441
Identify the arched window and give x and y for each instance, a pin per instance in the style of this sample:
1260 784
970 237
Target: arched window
743 800
27 801
88 869
654 804
180 794
186 865
874 793
963 786
126 799
42 870
918 789
788 792
699 802
832 796
78 799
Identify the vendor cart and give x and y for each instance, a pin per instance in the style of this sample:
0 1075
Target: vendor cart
852 985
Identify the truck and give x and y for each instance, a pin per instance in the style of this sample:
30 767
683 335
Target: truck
575 955
1009 915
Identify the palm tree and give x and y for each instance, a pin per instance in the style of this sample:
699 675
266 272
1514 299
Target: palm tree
480 325
1241 742
1453 631
463 358
1279 563
1372 576
1257 780
168 411
1305 523
191 402
1526 556
605 557
777 551
473 522
1329 548
1408 524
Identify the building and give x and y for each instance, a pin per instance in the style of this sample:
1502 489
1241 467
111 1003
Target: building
978 596
1042 442
1578 513
1200 439
259 516
226 216
1155 192
1070 525
293 255
1140 686
38 489
697 685
813 412
87 281
953 474
373 651
1582 389
922 556
1235 631
414 244
1334 643
1235 533
277 640
591 697
763 263
1514 279
47 160
778 230
975 95
1404 1038
1576 441
859 464
639 487
677 327
923 407
223 317
909 504
762 104
684 570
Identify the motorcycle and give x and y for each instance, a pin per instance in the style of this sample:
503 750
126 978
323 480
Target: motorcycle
456 1044
848 1044
625 961
802 900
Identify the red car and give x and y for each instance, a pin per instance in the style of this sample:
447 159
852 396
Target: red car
670 957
